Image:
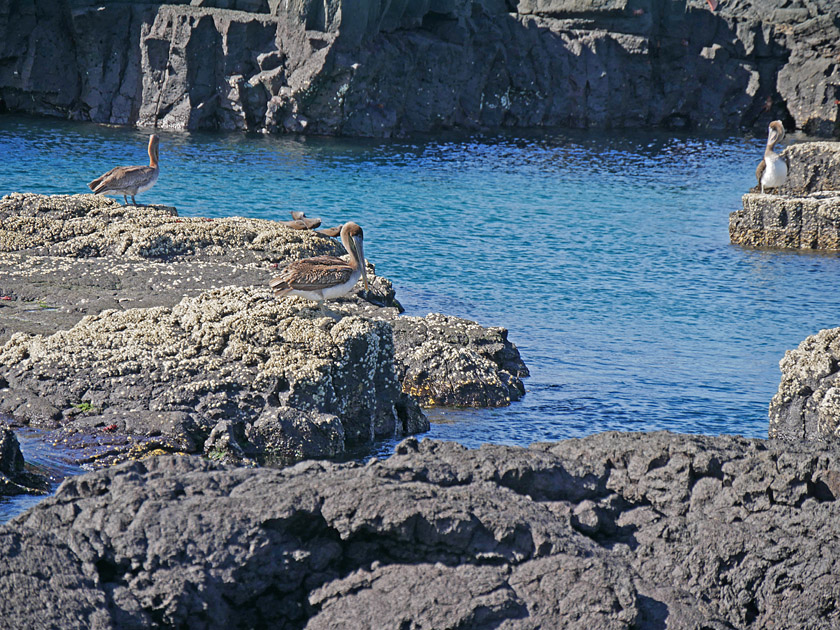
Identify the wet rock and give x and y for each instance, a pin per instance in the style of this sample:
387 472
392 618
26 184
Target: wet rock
692 531
444 360
14 476
380 69
807 403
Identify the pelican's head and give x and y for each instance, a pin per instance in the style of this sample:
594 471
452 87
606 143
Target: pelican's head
776 132
154 141
353 238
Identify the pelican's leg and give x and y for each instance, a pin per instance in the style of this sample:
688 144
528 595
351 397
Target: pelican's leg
133 202
762 189
125 199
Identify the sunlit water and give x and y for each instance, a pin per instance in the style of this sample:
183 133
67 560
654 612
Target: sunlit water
607 256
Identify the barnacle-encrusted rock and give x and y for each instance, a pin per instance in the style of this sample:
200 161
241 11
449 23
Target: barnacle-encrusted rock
232 354
171 354
790 222
82 226
14 477
614 531
444 360
807 403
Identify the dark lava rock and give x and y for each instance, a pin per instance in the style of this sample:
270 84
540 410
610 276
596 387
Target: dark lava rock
611 531
376 68
14 477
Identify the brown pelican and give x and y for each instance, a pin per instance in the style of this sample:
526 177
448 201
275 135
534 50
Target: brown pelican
773 169
325 277
129 180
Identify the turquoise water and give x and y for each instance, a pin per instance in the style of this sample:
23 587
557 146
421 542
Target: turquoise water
607 256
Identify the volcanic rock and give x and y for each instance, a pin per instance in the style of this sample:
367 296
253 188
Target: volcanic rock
14 477
375 68
691 532
807 403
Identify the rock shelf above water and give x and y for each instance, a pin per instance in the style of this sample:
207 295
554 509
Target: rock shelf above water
160 332
613 531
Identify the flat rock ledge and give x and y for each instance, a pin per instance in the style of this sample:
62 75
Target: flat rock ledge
807 403
614 531
802 214
153 332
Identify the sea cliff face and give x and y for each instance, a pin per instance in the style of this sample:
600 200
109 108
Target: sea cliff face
371 68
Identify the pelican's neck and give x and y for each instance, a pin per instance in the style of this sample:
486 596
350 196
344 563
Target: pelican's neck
772 140
347 241
153 155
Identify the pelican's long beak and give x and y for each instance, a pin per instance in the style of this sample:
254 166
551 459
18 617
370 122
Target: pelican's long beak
360 251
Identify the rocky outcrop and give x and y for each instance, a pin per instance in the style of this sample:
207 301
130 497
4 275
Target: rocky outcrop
807 404
611 531
802 214
149 331
383 68
481 368
14 477
284 382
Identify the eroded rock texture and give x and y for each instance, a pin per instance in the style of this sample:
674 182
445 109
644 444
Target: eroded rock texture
802 214
612 531
150 331
365 67
807 404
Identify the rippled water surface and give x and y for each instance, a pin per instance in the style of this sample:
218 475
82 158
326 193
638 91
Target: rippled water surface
607 256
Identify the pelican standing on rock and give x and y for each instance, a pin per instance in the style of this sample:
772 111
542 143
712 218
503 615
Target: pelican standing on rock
129 180
325 277
773 169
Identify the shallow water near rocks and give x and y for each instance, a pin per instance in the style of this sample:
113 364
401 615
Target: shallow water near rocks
606 255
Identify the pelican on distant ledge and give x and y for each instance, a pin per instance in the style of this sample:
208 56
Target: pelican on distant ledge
129 180
773 169
325 277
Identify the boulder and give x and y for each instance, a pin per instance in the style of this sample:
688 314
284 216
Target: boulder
804 213
610 531
15 478
481 367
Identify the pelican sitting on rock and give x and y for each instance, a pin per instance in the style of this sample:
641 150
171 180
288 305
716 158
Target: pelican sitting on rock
325 277
773 169
129 180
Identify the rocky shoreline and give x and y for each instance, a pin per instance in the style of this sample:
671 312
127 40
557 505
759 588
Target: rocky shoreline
134 330
366 68
610 531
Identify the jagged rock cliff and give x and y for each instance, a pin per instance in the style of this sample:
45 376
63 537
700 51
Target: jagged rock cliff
378 68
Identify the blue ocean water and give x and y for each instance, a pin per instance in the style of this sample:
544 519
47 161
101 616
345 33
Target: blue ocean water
606 255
